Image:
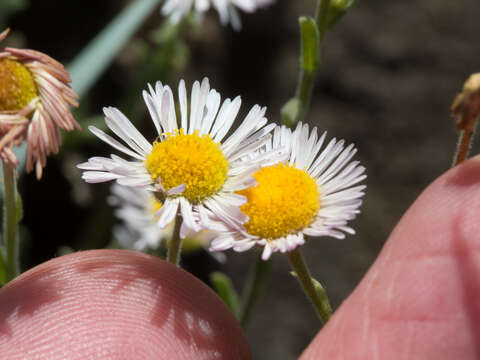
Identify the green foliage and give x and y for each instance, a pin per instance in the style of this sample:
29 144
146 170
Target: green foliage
322 294
325 308
224 288
309 44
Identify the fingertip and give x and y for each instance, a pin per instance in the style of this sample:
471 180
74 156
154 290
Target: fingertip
450 202
115 304
421 288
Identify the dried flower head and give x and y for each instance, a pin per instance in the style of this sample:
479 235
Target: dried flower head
466 106
34 99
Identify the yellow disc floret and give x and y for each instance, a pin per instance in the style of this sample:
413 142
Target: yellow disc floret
191 159
285 200
17 87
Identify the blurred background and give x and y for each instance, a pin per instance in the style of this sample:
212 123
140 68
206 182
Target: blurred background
389 73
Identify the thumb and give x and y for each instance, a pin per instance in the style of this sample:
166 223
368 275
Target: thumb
115 304
419 300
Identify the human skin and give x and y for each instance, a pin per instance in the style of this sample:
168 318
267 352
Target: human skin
419 300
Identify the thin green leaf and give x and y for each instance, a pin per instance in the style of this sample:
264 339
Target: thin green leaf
322 294
326 309
224 288
310 38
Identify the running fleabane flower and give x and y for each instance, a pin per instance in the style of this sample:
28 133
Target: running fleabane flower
34 99
314 193
136 208
192 167
227 9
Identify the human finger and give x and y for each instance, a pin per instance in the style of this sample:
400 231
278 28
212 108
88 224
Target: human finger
115 304
419 300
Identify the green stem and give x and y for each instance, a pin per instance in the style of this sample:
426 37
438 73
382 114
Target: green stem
304 92
253 287
298 265
175 244
10 224
307 76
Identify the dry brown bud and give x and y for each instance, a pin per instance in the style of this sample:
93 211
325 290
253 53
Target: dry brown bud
466 105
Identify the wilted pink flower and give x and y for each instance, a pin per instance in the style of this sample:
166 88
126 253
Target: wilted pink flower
34 99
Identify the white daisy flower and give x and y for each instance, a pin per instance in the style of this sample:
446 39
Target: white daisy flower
177 9
193 166
136 208
314 193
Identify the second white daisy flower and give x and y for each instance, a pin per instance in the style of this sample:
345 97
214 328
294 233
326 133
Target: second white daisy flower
314 193
136 208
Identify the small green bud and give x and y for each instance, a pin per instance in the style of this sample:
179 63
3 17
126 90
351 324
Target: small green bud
290 112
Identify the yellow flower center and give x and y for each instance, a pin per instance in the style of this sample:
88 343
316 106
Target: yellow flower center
17 87
285 200
191 159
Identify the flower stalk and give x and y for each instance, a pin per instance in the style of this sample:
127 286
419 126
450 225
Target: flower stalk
465 140
10 223
302 273
307 72
312 31
175 243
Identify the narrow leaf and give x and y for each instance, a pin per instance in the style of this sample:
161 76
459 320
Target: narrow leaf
224 288
310 38
322 295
